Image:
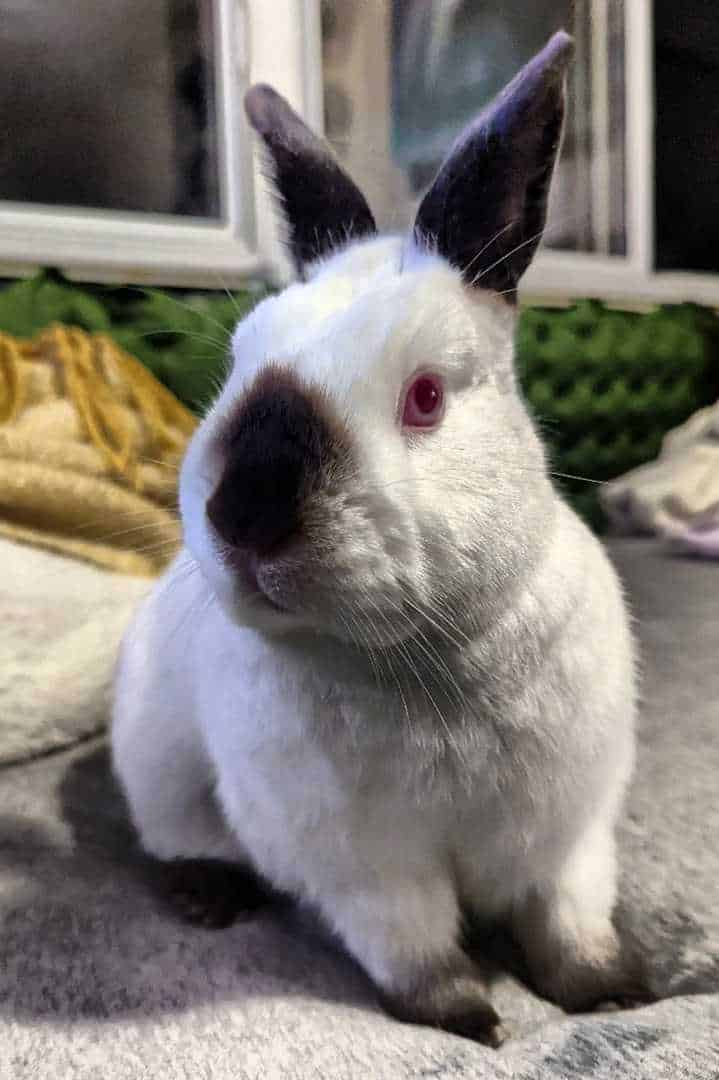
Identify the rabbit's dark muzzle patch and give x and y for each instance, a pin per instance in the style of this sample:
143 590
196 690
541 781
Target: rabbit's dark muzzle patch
280 448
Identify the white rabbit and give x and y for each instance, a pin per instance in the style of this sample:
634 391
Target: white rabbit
391 671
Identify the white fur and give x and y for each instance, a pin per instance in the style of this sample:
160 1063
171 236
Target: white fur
388 803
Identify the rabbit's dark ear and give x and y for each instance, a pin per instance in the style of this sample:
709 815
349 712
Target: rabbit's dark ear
487 207
323 206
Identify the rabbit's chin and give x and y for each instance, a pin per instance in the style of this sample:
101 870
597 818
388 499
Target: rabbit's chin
270 608
256 611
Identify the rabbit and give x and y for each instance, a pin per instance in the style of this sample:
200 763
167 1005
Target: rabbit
391 673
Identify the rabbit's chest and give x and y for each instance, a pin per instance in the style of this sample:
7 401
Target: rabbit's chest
324 780
317 783
314 820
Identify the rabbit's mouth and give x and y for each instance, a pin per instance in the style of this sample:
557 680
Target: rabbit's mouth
255 581
299 587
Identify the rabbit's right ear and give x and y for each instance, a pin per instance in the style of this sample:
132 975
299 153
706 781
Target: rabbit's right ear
489 200
323 206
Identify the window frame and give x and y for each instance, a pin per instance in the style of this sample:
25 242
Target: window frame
280 43
132 247
629 280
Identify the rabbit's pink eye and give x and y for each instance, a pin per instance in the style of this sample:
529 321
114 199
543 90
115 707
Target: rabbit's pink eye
423 402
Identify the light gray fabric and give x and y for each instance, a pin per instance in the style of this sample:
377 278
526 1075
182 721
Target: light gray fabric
97 980
62 622
675 497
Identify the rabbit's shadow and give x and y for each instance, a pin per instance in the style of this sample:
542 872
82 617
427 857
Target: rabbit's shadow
85 933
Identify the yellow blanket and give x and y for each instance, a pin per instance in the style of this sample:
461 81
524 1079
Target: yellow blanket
90 445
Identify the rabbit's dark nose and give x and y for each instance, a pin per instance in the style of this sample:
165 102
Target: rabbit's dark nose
277 450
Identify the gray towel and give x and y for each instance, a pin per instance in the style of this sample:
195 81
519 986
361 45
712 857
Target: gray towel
62 622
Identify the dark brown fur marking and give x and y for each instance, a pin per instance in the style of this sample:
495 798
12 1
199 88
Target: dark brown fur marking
451 996
280 446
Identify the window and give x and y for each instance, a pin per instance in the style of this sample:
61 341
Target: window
122 153
402 77
428 68
101 114
126 154
686 44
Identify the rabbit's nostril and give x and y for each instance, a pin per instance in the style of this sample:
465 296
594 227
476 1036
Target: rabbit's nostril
278 448
273 454
250 512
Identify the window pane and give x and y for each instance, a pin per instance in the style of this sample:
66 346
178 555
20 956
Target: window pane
109 105
402 77
687 121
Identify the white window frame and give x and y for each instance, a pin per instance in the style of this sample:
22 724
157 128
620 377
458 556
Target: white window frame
558 277
629 280
279 42
276 41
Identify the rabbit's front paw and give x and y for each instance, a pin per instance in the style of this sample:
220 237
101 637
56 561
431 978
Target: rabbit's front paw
620 982
454 1001
594 969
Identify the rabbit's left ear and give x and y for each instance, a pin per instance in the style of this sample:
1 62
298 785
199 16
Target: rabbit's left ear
323 206
486 210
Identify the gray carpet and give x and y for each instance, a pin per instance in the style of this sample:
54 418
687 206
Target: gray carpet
97 979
